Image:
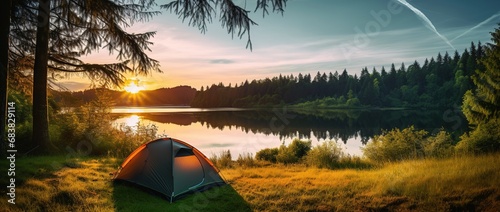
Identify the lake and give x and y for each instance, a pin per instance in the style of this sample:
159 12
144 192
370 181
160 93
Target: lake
250 130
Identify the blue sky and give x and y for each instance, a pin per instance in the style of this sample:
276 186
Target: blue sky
311 36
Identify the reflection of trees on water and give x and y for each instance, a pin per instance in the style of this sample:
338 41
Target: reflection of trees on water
331 125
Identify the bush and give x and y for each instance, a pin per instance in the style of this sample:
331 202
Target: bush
396 145
484 138
439 146
23 119
246 160
223 160
326 155
286 155
330 155
89 130
294 152
267 154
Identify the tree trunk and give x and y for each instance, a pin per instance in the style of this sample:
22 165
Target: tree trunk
4 68
40 107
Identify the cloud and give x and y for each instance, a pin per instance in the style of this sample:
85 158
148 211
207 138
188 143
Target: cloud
477 26
222 61
74 86
219 145
426 20
188 57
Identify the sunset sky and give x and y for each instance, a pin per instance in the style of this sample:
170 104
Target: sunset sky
311 36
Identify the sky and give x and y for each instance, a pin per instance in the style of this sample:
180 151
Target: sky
310 36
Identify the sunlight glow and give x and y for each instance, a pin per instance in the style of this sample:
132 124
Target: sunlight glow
133 86
132 120
134 110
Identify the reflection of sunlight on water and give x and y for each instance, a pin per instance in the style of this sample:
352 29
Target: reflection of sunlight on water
128 122
132 121
212 140
134 110
166 109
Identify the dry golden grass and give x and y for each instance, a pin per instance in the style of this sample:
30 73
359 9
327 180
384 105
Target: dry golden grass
78 186
467 183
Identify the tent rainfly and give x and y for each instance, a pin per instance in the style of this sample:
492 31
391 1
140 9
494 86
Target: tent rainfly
171 167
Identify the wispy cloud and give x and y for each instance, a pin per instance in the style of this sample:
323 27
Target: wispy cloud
190 58
73 85
426 20
222 61
478 25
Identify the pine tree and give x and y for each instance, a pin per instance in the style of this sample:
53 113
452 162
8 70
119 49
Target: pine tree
67 30
483 103
4 67
40 104
79 28
233 18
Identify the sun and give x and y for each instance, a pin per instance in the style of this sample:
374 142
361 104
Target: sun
133 87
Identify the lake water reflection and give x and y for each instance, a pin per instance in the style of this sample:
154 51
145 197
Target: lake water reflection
248 130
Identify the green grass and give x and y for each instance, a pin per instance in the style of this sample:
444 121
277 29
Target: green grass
84 184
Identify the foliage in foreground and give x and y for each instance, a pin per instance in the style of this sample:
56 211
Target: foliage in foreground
481 106
485 138
86 130
222 160
293 153
330 155
326 155
468 183
408 144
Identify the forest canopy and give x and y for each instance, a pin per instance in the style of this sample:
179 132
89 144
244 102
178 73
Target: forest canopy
440 81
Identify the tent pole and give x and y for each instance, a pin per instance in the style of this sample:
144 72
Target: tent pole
172 167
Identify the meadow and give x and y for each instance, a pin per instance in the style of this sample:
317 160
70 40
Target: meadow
465 183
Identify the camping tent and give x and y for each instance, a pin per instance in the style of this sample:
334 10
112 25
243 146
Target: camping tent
171 167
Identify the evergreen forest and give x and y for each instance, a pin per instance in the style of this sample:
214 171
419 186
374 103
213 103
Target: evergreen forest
437 82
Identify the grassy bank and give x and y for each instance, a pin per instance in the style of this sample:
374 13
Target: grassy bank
466 183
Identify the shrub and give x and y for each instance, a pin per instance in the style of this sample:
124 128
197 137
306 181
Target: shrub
246 160
326 155
396 145
483 139
267 154
223 160
330 155
23 120
286 155
89 130
439 146
294 152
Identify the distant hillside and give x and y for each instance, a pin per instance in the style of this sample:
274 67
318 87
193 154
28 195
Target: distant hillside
180 95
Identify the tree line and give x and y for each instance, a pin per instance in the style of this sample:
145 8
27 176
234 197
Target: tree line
180 95
438 82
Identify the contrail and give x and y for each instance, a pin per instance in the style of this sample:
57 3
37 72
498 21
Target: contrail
425 19
475 27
